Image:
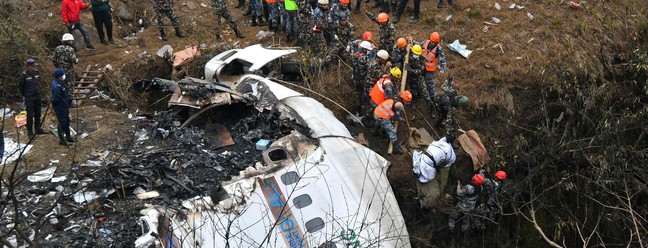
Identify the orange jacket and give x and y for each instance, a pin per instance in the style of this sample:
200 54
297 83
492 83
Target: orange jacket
431 60
377 93
386 109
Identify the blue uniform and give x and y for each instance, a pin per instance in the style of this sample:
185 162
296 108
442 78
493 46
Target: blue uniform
61 102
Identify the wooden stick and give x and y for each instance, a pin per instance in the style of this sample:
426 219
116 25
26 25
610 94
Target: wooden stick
402 88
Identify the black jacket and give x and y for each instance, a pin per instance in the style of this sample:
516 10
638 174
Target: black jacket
28 85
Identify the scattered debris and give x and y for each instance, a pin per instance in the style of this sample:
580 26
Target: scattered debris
6 113
262 144
42 176
512 6
485 29
13 150
81 197
148 195
496 20
530 15
498 6
448 18
459 48
20 119
58 179
165 52
574 5
262 34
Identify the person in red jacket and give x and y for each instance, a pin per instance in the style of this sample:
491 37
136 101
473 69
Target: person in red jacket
71 13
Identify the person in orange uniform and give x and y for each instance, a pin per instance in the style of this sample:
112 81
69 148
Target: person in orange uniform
434 58
389 110
384 87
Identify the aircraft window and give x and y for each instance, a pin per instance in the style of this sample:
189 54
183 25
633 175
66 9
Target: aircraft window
290 178
314 225
302 201
277 155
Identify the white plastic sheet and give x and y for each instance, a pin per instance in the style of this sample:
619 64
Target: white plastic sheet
459 48
12 150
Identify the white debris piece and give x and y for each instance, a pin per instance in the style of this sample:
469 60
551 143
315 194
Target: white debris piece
58 179
459 48
495 20
165 51
512 6
448 18
498 6
42 176
148 195
81 197
530 15
13 150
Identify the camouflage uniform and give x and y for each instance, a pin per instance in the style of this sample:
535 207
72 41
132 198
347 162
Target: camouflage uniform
304 24
165 8
375 70
344 34
273 19
65 58
397 56
220 10
338 11
447 104
468 196
415 70
387 33
361 62
429 75
322 30
256 8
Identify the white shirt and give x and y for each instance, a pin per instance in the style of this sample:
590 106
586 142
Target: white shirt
423 166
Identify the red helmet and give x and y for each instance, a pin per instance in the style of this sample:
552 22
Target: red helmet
345 1
383 17
478 179
435 37
367 36
501 175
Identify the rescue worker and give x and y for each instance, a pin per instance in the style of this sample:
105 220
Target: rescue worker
401 9
221 11
64 57
341 9
468 195
354 46
389 110
257 13
383 89
305 23
165 8
71 13
434 58
415 68
61 102
322 31
448 102
398 52
291 20
360 63
425 163
28 86
273 19
343 34
101 14
283 15
387 30
376 68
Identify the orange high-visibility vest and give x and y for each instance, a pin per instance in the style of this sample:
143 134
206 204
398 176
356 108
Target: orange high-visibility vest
271 1
431 59
377 93
386 109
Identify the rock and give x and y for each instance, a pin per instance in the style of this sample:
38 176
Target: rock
124 13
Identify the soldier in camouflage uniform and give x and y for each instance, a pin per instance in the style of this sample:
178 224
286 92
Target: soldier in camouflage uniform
165 8
376 68
64 57
415 69
257 13
220 10
398 52
322 31
448 103
339 10
273 17
360 63
343 35
387 30
304 23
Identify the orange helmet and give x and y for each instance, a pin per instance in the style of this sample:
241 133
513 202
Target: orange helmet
367 36
478 179
383 17
406 96
435 37
501 175
401 42
345 1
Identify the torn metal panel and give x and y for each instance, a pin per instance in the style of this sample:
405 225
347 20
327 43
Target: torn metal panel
241 61
195 94
218 135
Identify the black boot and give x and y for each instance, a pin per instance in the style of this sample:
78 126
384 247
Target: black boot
254 21
397 148
240 4
357 8
70 139
163 35
415 19
261 22
179 33
440 5
238 33
30 133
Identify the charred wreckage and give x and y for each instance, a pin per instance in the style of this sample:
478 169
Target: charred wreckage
256 165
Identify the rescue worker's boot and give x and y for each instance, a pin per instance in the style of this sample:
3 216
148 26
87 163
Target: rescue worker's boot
238 33
440 5
163 35
62 141
254 21
179 33
240 4
397 148
30 133
260 22
415 19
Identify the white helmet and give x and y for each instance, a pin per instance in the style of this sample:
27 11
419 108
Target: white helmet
383 54
366 45
67 37
322 1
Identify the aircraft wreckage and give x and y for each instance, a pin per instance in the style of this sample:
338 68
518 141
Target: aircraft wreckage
314 186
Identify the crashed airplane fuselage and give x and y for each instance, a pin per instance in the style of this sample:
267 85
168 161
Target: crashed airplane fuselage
315 188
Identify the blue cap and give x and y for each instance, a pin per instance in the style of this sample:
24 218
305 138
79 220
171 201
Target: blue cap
58 73
32 62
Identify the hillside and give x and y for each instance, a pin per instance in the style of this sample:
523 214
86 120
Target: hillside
559 99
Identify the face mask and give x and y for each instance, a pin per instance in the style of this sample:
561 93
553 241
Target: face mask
63 77
415 56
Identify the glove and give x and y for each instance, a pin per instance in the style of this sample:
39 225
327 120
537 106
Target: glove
336 37
389 64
